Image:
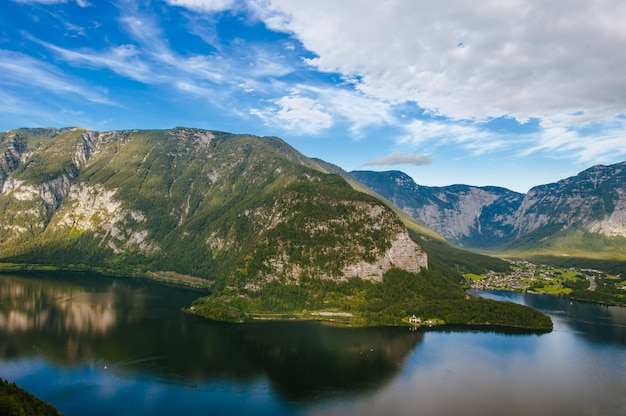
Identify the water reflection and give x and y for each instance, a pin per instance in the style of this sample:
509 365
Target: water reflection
135 327
61 305
98 345
311 361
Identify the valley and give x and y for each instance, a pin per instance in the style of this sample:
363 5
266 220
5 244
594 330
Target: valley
274 235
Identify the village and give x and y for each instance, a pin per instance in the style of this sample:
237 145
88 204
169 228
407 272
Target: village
534 278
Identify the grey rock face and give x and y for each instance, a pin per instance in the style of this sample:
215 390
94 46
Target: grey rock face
465 215
593 201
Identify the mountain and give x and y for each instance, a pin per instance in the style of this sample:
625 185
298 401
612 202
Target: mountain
579 215
270 232
584 215
467 216
201 203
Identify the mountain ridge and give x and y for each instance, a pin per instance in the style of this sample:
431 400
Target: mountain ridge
465 215
549 217
104 199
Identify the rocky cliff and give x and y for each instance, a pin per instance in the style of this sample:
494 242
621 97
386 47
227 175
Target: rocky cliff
583 213
593 200
465 215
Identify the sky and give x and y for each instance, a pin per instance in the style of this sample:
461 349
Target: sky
510 93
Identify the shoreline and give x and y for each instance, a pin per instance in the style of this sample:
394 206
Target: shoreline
335 318
166 277
440 327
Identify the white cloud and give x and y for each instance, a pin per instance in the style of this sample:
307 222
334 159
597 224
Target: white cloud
296 113
41 1
471 137
472 63
151 60
295 109
360 111
17 68
80 3
519 58
310 109
397 158
204 5
562 139
124 60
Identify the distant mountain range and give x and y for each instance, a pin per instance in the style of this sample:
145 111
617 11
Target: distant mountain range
581 215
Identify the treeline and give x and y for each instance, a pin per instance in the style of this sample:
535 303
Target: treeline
606 292
454 262
432 296
615 267
16 401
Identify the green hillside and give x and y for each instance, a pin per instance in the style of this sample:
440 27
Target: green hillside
572 242
16 401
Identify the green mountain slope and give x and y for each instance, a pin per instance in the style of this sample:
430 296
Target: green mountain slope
17 401
201 203
261 225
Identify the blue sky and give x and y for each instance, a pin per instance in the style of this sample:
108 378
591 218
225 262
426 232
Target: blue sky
509 93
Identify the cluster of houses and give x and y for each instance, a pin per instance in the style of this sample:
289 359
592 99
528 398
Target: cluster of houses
517 280
417 321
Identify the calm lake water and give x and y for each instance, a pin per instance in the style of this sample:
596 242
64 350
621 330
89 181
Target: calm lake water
94 345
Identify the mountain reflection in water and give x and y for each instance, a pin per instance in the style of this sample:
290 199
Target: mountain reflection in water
99 345
130 326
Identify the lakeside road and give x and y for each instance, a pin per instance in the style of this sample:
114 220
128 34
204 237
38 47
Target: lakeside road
592 283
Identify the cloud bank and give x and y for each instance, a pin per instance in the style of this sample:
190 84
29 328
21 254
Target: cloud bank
397 158
524 59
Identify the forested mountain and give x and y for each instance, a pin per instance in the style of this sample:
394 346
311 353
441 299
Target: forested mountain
241 209
17 401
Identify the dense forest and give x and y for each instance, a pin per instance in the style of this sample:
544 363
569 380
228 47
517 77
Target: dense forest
428 295
15 401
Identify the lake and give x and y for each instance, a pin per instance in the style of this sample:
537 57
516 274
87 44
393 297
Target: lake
99 345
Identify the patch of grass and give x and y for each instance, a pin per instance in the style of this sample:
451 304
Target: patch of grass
11 267
45 268
474 277
554 290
